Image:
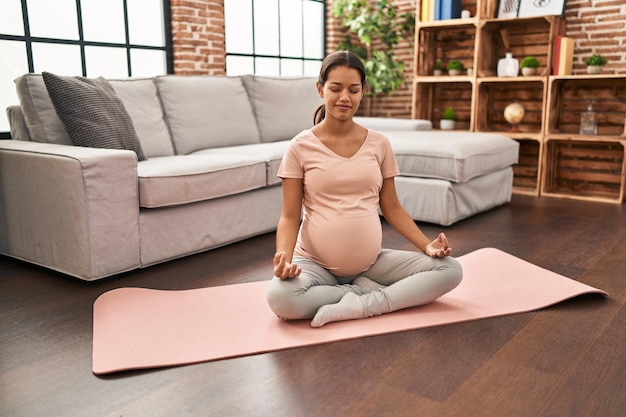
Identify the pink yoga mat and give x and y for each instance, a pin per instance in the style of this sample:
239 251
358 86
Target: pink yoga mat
137 328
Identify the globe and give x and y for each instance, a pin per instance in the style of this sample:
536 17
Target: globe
514 114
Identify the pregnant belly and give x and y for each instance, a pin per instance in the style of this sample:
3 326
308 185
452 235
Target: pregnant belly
343 245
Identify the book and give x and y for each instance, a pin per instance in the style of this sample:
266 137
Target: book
555 55
437 9
450 9
425 15
566 56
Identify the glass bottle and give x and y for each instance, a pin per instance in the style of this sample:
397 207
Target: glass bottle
589 120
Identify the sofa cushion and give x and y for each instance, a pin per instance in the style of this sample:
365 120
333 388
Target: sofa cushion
39 114
207 112
92 113
141 99
390 124
455 156
271 153
181 179
283 106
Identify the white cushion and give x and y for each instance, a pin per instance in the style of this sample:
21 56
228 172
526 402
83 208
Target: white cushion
181 179
455 156
207 112
284 106
390 124
141 100
39 114
271 153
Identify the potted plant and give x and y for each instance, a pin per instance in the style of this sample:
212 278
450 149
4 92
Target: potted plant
529 65
455 67
438 68
373 29
595 63
447 118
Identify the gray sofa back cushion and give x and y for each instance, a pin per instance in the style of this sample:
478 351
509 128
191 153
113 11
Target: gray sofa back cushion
283 106
41 118
141 99
207 112
17 124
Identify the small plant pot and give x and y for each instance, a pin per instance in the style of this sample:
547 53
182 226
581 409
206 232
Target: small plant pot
437 73
594 69
446 124
527 71
454 72
470 71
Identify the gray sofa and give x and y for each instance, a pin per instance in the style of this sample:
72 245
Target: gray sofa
213 146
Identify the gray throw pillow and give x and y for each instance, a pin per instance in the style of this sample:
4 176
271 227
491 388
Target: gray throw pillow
92 113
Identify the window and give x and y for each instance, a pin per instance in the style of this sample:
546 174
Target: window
112 39
274 37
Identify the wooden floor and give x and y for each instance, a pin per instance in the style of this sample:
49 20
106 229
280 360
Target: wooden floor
567 360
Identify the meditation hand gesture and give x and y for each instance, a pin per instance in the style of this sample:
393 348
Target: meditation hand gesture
439 247
284 269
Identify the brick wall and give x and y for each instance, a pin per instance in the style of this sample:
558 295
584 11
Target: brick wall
599 26
198 37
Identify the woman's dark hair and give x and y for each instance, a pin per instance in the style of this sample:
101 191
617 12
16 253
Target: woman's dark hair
337 59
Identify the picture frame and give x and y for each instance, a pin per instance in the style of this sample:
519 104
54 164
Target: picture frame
507 9
530 8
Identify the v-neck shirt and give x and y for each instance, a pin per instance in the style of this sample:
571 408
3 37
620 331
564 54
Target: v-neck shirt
341 227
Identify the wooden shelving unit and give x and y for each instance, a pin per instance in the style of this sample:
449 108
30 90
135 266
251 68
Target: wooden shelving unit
583 166
554 159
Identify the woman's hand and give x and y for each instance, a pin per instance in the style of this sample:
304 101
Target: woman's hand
439 247
284 269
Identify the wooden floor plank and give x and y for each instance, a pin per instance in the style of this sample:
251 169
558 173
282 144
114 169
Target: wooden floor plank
567 360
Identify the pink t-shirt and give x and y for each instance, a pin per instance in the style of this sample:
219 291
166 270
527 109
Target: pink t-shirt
341 228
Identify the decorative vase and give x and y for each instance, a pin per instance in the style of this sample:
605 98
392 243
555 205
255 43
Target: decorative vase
594 69
527 71
508 66
446 124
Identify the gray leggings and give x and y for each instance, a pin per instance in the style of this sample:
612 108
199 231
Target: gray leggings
412 279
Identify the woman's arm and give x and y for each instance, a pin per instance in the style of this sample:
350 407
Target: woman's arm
400 220
287 230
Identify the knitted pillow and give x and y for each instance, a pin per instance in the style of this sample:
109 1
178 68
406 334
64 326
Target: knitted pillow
92 113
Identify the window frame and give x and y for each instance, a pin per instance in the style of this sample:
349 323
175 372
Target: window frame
28 41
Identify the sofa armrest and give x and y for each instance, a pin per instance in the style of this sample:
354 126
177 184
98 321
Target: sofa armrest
71 209
391 124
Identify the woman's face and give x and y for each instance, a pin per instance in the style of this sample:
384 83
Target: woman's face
342 92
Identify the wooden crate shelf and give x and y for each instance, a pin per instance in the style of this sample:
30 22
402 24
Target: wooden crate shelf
527 170
584 170
532 36
495 94
567 100
436 42
432 97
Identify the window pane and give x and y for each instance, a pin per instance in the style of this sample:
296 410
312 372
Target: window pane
291 28
267 66
290 67
14 64
238 26
239 65
266 27
312 68
145 22
11 22
53 19
313 29
46 58
103 21
147 63
106 62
